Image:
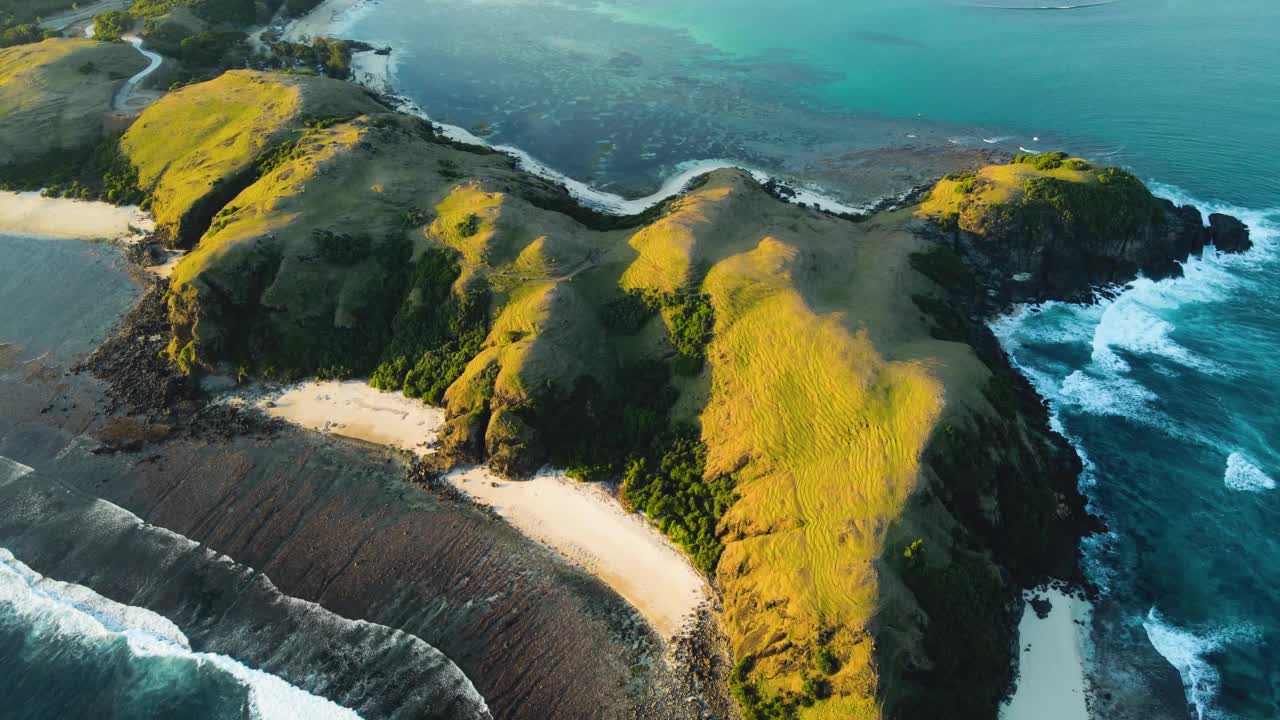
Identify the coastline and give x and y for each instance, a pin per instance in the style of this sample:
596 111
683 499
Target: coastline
1052 635
333 17
330 522
584 524
1053 665
1053 671
587 525
28 213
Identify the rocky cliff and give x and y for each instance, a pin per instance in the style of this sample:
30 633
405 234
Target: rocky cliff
1054 227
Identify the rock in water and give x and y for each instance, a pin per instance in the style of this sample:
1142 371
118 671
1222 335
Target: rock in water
1228 234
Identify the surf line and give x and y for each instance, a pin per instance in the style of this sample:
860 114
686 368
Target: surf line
612 204
1080 6
594 198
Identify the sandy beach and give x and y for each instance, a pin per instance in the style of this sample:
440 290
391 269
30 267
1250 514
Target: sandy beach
27 213
582 522
588 525
329 18
373 71
1051 680
354 410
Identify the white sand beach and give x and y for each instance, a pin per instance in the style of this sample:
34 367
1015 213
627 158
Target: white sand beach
27 213
589 526
583 522
1051 680
354 410
372 70
329 18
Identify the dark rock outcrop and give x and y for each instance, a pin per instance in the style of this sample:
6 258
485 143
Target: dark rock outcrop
1037 252
1228 234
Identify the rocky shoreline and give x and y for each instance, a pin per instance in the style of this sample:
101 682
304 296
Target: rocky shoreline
351 528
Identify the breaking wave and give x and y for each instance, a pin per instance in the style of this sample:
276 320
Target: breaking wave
1187 652
262 653
71 652
1244 475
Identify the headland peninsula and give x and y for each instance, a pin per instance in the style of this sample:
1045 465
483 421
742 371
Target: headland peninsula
735 450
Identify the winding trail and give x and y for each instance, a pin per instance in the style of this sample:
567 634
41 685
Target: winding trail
127 97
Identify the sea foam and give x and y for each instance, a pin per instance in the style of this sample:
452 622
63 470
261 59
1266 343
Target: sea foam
1187 652
66 618
382 670
1243 475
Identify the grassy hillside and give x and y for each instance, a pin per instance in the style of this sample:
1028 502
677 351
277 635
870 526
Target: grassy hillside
792 397
1100 200
54 98
195 149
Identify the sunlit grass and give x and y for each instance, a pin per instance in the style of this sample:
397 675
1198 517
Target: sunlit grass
828 436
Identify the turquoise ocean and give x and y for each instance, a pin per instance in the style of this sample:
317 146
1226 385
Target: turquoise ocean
1169 390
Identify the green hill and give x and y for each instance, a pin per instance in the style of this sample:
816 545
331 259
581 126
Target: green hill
778 389
55 100
196 148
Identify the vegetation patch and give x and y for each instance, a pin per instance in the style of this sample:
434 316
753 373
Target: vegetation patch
943 266
219 132
837 431
671 491
1036 189
19 20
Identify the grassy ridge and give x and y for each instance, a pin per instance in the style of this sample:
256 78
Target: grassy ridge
196 148
1095 201
834 434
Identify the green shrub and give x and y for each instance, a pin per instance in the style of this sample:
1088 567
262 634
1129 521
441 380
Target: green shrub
1042 161
340 248
690 321
20 33
469 226
814 688
331 55
751 701
914 553
239 13
824 658
627 313
1116 205
154 8
435 333
948 323
671 491
212 49
110 26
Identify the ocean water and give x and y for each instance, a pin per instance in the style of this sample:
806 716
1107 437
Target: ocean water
70 652
620 92
1168 390
103 615
200 635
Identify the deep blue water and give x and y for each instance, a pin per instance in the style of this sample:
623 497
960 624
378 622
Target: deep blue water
1170 390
